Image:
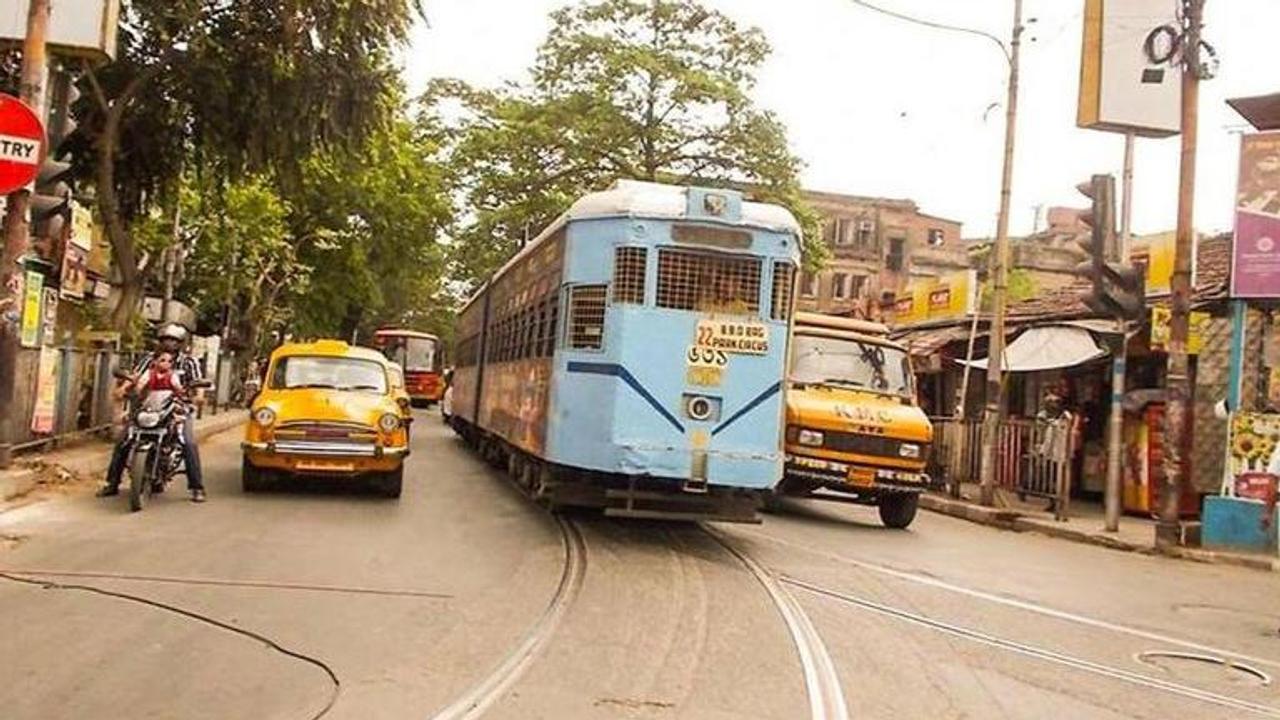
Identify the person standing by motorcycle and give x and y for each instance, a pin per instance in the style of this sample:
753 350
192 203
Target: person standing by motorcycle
171 340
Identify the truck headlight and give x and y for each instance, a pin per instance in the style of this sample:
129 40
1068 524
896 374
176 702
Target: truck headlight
909 450
389 422
264 416
812 438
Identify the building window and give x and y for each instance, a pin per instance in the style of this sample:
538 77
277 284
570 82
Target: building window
844 231
857 286
936 237
809 285
829 232
586 317
780 298
629 266
839 286
897 259
708 282
866 233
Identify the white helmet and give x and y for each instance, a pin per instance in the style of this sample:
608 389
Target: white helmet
173 331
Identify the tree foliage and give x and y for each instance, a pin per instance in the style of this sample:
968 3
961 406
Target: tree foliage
620 89
226 87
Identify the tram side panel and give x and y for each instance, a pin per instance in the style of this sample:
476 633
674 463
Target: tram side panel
467 370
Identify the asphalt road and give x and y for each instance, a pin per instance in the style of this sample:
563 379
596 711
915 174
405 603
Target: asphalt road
463 599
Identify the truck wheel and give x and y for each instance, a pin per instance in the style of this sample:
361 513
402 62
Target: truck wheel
391 483
897 510
251 478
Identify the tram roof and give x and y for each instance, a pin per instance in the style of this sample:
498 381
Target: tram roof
402 332
637 198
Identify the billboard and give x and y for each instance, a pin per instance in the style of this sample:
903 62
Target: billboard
947 297
83 28
1126 82
1255 252
1156 253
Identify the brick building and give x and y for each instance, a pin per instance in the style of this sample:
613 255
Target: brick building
877 245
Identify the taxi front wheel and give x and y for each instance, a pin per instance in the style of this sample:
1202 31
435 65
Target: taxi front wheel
251 478
391 483
897 510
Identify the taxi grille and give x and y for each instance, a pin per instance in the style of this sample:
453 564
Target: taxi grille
327 432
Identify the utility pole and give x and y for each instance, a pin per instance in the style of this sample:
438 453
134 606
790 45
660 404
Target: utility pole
995 356
1168 529
16 231
1115 424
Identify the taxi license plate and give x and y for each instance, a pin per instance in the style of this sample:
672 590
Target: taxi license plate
862 477
325 466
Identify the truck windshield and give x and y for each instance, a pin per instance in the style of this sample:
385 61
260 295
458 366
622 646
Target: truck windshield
850 363
414 354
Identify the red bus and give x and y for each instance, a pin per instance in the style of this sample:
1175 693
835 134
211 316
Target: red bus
419 354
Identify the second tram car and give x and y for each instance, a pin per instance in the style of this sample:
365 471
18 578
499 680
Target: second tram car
631 356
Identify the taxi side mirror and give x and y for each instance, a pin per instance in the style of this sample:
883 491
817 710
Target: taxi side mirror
403 402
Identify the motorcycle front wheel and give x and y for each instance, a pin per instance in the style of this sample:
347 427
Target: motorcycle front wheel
139 479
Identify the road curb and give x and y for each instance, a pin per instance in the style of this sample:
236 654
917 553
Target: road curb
1017 522
91 461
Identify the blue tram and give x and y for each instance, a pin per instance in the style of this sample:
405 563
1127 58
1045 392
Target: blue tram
631 356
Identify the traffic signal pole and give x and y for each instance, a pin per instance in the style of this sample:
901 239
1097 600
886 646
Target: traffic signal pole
1168 529
1000 290
1115 424
16 235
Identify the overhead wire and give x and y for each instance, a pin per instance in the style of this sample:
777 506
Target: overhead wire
932 23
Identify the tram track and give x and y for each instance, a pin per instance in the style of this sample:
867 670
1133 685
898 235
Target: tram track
822 682
1033 651
482 695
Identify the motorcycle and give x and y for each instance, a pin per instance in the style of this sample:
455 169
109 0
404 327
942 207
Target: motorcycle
154 433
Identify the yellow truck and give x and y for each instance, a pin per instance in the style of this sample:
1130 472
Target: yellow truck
853 425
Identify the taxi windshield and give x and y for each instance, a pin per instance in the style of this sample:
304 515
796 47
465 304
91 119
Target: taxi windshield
841 362
335 373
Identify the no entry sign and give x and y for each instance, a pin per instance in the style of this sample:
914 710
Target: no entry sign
21 144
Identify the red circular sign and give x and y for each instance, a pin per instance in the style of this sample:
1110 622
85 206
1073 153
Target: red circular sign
21 144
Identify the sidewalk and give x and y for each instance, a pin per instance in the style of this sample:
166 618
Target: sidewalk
88 460
1085 525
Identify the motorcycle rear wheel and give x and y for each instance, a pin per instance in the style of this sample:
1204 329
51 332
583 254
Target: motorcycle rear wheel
139 481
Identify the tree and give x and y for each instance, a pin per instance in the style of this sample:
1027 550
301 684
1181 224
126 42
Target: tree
243 258
227 87
621 89
369 225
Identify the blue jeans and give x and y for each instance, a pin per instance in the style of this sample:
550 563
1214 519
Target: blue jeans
190 456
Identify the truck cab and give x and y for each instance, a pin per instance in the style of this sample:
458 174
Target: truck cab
854 429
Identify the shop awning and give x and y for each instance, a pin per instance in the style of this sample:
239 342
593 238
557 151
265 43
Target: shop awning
923 343
1047 348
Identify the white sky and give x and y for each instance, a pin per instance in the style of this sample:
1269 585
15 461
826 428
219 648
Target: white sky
876 106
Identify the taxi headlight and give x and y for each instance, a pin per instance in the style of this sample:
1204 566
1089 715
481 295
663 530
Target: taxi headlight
264 416
909 450
389 422
810 437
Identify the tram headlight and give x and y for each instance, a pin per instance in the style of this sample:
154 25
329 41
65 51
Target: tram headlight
702 408
812 438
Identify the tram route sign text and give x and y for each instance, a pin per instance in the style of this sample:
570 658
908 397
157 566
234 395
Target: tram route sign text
733 336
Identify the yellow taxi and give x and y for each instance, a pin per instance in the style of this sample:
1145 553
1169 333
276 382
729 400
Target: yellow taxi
328 409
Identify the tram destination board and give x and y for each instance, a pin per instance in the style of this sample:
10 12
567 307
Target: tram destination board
734 336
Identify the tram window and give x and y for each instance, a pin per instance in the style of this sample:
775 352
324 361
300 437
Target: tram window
549 340
629 266
780 298
586 317
708 282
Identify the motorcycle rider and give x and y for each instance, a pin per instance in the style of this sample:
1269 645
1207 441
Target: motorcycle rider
171 340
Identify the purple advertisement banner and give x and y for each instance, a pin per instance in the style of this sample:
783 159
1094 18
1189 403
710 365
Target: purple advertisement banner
1255 256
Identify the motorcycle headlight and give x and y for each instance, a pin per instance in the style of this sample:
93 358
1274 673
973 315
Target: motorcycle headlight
909 450
389 422
811 437
264 416
148 419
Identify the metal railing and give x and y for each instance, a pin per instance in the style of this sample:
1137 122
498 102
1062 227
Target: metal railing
1034 458
78 400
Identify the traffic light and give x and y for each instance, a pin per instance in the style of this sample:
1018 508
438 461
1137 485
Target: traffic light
1118 289
51 201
